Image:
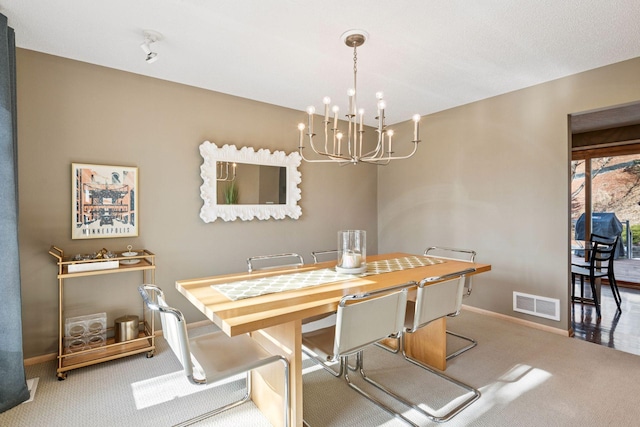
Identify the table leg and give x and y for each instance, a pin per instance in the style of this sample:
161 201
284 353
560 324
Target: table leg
268 391
429 344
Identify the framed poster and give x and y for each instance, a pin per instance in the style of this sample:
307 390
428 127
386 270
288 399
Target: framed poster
104 201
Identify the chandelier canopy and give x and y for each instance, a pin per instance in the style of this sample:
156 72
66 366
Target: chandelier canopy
344 149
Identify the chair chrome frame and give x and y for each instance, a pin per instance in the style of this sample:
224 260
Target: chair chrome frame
316 254
251 260
469 255
387 311
321 319
456 281
196 368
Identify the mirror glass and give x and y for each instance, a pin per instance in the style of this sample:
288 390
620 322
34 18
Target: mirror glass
245 184
252 184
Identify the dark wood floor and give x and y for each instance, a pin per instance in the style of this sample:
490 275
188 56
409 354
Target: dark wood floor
616 329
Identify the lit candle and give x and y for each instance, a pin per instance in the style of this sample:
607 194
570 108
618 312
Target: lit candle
416 126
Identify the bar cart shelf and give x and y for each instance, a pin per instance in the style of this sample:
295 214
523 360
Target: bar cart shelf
71 267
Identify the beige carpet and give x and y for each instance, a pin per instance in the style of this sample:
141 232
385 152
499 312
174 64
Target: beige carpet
527 378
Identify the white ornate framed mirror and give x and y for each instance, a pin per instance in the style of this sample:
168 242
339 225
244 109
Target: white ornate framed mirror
245 184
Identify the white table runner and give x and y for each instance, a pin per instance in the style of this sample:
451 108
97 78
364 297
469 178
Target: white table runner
291 281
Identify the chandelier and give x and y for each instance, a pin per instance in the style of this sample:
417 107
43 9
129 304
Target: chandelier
345 149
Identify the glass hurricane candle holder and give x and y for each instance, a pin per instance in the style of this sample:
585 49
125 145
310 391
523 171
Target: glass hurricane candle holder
352 251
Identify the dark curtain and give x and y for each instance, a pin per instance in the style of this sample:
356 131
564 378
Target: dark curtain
13 385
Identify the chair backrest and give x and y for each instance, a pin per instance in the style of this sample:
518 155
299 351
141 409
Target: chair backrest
451 253
457 254
274 261
363 319
326 255
174 330
436 300
603 253
603 239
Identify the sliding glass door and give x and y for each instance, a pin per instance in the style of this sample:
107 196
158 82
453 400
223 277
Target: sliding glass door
605 200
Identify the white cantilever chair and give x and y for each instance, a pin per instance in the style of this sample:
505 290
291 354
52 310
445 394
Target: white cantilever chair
434 301
460 255
362 319
206 358
274 261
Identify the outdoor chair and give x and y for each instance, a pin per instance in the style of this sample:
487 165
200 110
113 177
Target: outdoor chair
600 264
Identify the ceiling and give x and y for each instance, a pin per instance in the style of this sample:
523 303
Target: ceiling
426 55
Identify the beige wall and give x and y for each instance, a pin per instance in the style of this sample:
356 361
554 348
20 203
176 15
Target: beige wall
494 176
70 111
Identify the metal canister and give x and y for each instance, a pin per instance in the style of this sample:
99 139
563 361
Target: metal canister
126 328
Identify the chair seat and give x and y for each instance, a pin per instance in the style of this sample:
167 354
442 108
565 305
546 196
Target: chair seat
584 271
580 264
320 342
219 356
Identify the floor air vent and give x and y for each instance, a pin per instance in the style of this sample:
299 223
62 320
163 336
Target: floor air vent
537 306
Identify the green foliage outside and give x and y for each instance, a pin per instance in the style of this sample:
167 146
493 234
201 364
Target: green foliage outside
635 230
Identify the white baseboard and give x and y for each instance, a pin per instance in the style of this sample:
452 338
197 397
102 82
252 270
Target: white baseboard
528 323
569 333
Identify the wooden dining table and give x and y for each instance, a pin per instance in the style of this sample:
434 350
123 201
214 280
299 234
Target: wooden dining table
275 319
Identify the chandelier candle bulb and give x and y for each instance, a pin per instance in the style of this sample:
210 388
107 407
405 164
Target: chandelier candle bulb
350 94
301 129
326 101
416 127
361 112
311 110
